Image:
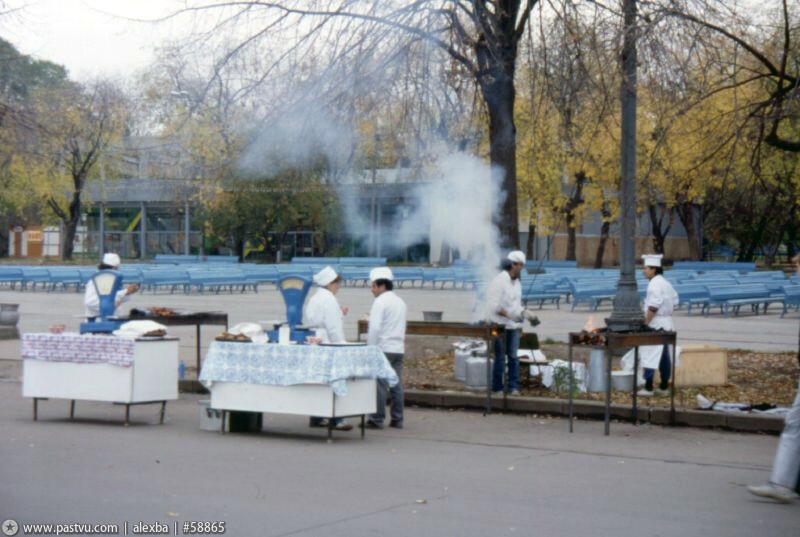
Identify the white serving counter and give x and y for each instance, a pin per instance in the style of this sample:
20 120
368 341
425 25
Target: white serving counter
300 399
147 374
312 380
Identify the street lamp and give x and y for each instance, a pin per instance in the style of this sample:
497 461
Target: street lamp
627 314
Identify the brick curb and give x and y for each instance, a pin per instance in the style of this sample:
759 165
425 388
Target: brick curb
596 410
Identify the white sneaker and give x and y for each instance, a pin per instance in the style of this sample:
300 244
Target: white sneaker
514 392
645 393
778 493
661 393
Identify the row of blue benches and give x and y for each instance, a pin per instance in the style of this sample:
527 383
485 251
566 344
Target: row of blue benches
201 278
729 295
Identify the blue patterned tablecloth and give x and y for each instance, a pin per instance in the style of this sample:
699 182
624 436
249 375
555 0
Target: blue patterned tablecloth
285 365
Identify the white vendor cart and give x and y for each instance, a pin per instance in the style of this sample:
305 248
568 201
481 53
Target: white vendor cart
100 368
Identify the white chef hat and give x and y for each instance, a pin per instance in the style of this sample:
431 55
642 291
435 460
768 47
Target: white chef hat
380 273
516 257
652 260
325 276
112 260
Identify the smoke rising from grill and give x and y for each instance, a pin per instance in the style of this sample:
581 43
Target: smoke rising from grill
455 203
451 202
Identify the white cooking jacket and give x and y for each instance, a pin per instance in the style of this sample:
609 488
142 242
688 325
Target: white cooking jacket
91 301
322 312
504 293
387 323
662 296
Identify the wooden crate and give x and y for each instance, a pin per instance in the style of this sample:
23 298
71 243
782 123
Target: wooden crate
702 365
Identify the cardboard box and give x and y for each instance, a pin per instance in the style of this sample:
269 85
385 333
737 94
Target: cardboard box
702 365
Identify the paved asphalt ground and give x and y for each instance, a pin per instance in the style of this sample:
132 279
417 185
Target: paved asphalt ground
447 473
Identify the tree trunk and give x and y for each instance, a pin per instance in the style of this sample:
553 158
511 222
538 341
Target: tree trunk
71 222
659 234
571 237
687 213
240 248
529 253
570 210
496 82
604 231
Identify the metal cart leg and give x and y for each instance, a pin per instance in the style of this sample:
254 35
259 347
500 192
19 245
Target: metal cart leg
608 392
127 415
330 430
672 390
489 345
222 422
363 425
35 409
72 409
571 379
163 411
635 384
198 350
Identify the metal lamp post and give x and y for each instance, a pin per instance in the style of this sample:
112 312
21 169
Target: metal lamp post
627 315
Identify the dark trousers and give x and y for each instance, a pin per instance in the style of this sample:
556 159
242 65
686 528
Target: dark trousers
396 361
664 368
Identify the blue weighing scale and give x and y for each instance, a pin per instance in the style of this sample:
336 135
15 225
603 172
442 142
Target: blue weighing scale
107 283
294 290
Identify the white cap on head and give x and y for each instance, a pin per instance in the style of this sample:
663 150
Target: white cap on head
652 260
111 260
325 276
380 273
516 257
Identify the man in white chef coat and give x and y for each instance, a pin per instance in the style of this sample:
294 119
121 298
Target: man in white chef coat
326 317
659 303
322 311
504 307
387 330
91 300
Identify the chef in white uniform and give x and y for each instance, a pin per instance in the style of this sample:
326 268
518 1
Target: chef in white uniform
91 300
326 317
659 303
322 312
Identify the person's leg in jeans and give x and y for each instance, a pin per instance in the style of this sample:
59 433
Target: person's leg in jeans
380 410
499 368
512 346
398 398
648 378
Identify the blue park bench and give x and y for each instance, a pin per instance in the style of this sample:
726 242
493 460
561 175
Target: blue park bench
412 275
710 266
732 298
217 280
541 293
11 276
791 297
154 279
692 295
592 292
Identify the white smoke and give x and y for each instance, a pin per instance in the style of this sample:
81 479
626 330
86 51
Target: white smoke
296 137
455 203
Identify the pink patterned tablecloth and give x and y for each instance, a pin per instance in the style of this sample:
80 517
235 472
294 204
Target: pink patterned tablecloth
91 349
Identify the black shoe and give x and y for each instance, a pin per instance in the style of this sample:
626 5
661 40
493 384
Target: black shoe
396 424
374 425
